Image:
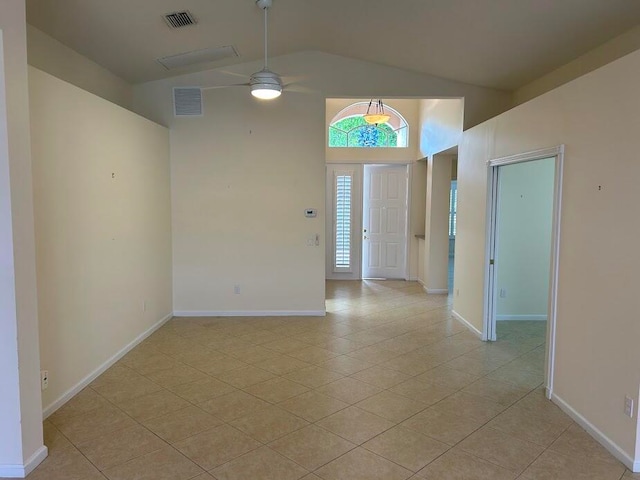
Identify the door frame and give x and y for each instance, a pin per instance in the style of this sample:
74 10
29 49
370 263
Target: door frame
407 223
490 291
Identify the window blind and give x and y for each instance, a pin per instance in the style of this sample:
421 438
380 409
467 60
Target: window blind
343 221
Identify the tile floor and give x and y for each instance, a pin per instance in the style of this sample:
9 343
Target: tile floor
387 386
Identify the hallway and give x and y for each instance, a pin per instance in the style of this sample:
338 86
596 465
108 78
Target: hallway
387 386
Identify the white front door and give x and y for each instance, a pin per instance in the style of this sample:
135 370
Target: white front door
384 244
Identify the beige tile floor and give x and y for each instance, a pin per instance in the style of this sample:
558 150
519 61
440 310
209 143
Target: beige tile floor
387 387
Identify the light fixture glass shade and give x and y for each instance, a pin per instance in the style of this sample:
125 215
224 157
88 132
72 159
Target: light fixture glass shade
266 92
375 118
375 113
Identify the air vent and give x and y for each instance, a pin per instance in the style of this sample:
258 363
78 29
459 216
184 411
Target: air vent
187 102
179 19
198 56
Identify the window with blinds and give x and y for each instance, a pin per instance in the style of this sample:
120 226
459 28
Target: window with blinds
343 213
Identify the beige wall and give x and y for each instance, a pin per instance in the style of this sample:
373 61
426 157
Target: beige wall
242 177
103 226
20 404
613 49
51 56
436 254
597 118
523 227
418 177
441 121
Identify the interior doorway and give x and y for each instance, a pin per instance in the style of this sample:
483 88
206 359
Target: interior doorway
384 222
522 248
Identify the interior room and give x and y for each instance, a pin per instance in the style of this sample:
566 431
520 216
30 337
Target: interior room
216 265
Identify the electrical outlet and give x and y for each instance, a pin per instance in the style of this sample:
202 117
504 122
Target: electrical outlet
236 289
503 293
628 406
44 379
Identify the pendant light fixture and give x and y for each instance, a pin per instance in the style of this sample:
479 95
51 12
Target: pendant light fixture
375 113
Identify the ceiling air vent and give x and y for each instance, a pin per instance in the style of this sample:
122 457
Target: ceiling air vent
180 19
187 102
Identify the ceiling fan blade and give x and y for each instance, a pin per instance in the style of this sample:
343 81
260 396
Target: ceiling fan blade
233 74
226 86
299 89
289 79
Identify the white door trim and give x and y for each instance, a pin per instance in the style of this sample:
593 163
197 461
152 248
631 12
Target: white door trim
408 227
488 329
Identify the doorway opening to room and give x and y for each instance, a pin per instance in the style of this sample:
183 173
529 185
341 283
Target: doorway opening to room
440 222
521 261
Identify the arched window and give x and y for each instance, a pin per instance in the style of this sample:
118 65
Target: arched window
348 129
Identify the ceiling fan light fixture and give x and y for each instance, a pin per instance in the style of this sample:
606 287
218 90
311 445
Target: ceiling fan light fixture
265 92
376 115
266 85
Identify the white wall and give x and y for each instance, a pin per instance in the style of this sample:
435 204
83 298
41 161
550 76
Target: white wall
103 229
597 117
441 121
51 56
525 210
21 447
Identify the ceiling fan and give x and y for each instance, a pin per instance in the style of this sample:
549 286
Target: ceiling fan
265 84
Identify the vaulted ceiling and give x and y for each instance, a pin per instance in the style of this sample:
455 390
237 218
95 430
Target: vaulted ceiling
502 44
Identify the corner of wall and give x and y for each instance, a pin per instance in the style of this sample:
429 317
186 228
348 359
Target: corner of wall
51 56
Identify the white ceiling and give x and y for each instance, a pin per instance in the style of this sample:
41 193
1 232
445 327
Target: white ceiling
503 44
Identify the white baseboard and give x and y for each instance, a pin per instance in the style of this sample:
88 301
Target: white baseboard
605 441
462 320
538 318
21 471
66 396
433 291
250 313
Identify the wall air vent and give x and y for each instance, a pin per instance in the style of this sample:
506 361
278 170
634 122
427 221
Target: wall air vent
180 19
187 101
206 55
